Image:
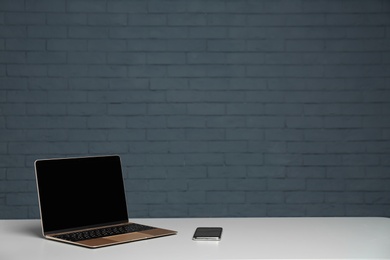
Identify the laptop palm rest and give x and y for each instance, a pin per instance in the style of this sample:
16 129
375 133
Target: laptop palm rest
97 242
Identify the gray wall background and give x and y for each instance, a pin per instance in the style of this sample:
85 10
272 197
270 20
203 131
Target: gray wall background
217 108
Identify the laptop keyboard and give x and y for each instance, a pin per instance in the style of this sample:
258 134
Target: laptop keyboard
103 232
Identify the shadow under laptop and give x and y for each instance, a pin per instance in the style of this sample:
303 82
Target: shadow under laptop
35 230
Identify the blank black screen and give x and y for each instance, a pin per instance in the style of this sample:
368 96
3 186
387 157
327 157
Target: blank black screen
80 192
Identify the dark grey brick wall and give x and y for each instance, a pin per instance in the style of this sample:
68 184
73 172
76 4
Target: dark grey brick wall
217 108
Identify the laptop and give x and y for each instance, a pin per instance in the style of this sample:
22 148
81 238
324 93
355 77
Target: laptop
82 201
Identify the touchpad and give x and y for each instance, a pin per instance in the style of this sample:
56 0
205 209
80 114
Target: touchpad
130 237
97 242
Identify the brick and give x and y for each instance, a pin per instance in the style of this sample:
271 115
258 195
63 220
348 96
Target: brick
377 198
178 45
187 146
66 45
146 19
207 185
47 83
126 109
86 6
325 185
42 109
12 5
241 210
294 197
175 210
167 7
145 197
326 210
51 32
241 158
106 122
217 197
186 197
145 122
245 134
46 6
142 146
205 96
66 19
46 57
107 19
226 45
25 44
165 58
24 18
286 210
206 6
26 70
344 7
124 6
322 160
187 19
126 83
350 172
364 210
45 135
14 109
353 45
247 184
107 148
203 159
269 45
165 134
106 45
245 109
222 19
110 71
165 159
126 58
205 134
345 197
88 32
206 58
284 135
67 70
86 58
179 185
21 199
205 109
3 70
264 122
268 71
207 210
157 71
226 171
211 33
187 172
166 109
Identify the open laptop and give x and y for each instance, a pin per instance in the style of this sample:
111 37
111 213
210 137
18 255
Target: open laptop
82 201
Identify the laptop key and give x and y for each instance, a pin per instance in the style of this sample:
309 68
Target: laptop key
103 232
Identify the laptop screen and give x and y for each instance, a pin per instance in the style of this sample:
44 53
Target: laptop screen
80 192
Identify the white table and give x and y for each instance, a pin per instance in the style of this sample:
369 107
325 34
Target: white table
242 238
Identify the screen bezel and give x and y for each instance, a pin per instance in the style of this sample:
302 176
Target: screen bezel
108 170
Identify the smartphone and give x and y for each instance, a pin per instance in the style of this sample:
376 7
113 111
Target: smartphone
207 234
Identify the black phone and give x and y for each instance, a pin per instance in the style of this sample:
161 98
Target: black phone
207 234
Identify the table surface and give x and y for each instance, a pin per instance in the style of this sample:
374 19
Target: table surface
242 238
